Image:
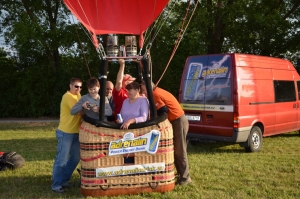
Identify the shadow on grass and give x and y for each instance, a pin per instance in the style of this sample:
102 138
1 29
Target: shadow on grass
209 147
284 135
24 126
14 186
213 147
42 149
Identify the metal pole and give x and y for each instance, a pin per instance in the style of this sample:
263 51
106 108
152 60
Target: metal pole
102 92
147 79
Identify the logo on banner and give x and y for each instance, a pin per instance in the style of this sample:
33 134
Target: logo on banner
147 142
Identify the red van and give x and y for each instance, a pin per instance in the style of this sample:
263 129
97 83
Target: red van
239 98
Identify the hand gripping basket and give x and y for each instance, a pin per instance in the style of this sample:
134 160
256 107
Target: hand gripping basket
94 152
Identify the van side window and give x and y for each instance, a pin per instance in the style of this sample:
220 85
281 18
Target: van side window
298 85
284 91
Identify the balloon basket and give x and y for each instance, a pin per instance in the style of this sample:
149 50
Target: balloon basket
104 174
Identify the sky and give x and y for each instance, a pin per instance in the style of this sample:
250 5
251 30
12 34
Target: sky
2 43
7 48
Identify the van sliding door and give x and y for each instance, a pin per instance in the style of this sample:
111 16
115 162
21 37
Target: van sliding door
286 106
298 104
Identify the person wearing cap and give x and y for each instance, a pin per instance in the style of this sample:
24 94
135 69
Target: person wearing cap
119 92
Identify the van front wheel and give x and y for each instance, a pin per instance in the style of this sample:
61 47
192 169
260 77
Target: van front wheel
254 140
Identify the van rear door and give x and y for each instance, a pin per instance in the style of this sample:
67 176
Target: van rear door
206 95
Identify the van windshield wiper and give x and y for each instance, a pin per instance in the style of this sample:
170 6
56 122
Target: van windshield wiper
195 100
215 101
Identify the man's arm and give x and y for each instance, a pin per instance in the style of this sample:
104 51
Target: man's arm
120 75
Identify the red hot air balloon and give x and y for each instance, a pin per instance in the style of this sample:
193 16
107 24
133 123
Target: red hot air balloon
141 172
116 16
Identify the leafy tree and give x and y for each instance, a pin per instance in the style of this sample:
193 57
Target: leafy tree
51 49
41 32
9 79
267 27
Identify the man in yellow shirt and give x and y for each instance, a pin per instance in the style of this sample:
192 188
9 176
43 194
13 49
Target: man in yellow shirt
67 134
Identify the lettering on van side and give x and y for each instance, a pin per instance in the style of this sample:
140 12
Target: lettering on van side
215 72
202 107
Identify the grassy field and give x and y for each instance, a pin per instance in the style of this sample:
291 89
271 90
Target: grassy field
217 170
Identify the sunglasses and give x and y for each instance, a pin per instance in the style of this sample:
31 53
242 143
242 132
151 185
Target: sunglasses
78 86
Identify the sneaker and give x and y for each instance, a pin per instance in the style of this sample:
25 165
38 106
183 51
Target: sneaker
59 190
185 181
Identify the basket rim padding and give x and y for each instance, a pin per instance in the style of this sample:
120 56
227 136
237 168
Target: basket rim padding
114 125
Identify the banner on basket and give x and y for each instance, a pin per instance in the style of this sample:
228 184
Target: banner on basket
147 142
132 169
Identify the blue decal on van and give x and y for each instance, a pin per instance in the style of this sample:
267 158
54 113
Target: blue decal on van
208 80
192 76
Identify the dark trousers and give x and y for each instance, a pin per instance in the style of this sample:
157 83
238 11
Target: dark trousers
180 129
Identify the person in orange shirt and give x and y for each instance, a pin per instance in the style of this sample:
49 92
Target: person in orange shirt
165 102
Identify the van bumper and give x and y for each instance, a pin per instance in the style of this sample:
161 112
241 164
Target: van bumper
238 136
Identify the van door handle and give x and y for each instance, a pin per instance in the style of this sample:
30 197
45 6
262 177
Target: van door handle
295 105
209 118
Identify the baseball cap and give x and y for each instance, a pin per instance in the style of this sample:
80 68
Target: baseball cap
128 77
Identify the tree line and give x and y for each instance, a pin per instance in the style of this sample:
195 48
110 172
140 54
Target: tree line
50 47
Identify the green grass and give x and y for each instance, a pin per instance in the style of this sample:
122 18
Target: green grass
218 170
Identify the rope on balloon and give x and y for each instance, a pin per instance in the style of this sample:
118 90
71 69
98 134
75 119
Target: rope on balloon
81 47
179 37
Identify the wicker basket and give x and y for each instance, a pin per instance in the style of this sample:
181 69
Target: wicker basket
94 144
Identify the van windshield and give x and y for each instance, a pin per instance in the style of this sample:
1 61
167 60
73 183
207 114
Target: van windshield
208 80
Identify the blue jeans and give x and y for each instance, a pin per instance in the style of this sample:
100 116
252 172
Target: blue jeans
67 158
